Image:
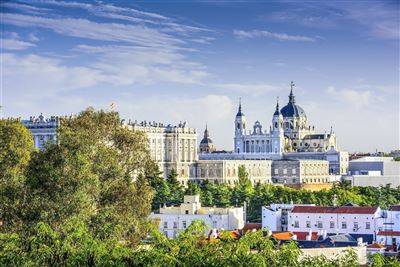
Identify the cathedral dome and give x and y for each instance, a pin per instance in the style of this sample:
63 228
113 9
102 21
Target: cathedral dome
206 144
291 109
206 141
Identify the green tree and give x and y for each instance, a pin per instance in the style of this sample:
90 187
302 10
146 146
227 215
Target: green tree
243 190
16 147
175 188
162 193
95 173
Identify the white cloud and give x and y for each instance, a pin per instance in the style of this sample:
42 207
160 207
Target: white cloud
127 65
379 19
36 77
83 28
14 44
127 14
356 98
240 34
25 8
33 37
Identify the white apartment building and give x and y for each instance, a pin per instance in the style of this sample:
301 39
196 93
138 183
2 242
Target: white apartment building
172 220
357 221
275 216
390 227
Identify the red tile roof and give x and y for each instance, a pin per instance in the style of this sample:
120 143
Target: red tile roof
302 235
348 210
376 245
283 236
389 233
251 226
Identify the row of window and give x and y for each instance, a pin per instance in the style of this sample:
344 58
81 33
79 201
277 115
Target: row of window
175 225
320 225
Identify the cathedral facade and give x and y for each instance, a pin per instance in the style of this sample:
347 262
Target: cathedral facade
289 132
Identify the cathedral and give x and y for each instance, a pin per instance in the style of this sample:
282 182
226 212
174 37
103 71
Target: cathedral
289 132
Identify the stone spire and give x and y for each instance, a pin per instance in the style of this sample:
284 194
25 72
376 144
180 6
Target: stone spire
240 108
291 96
206 134
277 110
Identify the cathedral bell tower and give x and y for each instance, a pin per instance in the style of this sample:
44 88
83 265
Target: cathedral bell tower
240 130
277 137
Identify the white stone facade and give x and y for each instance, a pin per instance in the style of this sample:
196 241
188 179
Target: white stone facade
172 220
289 132
300 171
42 130
172 147
226 171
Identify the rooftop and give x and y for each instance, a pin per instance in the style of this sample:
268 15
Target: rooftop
343 209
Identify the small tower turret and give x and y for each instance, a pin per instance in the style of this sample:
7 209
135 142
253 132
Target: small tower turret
240 129
206 144
277 137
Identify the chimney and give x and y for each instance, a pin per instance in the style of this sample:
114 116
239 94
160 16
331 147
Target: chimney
324 234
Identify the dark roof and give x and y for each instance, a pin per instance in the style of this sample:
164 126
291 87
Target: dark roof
206 141
348 210
315 136
239 114
341 238
292 110
395 208
349 204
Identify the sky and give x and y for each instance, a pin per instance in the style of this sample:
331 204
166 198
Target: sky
172 61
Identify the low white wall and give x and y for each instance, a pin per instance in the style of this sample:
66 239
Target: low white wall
333 253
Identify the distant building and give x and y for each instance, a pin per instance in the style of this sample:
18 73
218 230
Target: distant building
172 220
43 130
300 171
275 217
206 144
390 227
172 147
289 137
359 222
226 171
289 132
374 171
356 221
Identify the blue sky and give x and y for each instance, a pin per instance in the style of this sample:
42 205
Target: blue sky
191 61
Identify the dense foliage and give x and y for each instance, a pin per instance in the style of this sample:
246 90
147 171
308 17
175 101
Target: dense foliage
85 201
264 194
79 190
